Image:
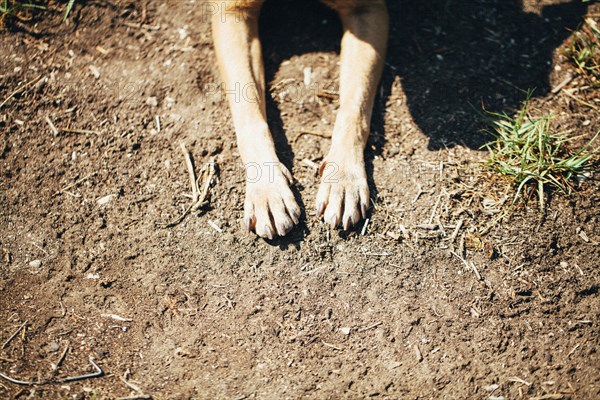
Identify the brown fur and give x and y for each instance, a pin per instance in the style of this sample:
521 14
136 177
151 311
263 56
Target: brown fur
340 5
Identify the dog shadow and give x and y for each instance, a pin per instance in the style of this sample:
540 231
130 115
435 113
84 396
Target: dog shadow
451 57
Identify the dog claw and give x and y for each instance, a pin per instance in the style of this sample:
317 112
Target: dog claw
320 209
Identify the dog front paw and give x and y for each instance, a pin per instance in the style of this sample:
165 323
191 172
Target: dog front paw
270 208
343 196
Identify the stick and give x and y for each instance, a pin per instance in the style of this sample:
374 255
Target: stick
178 220
418 353
74 184
375 325
580 100
434 209
564 83
470 266
312 133
52 126
81 131
210 172
328 94
5 345
475 270
132 385
456 230
61 358
16 381
191 173
19 90
330 345
364 228
96 374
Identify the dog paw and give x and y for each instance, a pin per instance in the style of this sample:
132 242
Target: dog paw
343 196
270 208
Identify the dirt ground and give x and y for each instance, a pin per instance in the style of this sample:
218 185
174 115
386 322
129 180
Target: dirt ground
438 299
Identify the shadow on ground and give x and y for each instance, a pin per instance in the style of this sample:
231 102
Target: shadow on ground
451 57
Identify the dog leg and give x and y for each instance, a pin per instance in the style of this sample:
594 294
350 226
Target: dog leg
343 196
270 208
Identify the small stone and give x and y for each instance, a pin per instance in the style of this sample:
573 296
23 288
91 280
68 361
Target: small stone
95 71
307 76
345 330
35 263
104 200
394 364
152 101
52 347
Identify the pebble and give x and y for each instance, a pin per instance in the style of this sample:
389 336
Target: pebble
52 347
95 71
152 101
104 200
345 330
35 263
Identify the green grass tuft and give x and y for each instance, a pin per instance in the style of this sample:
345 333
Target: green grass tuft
528 152
583 50
16 8
22 9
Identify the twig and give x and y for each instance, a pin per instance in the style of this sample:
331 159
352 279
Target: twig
312 133
375 325
63 190
16 381
364 228
215 226
492 223
577 99
564 83
80 131
96 374
456 230
134 387
419 193
210 173
117 317
52 126
550 396
519 380
434 209
418 353
428 227
512 85
22 326
475 270
331 345
469 265
191 173
20 89
328 94
573 350
179 219
61 358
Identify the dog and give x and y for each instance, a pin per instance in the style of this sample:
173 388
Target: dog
270 208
